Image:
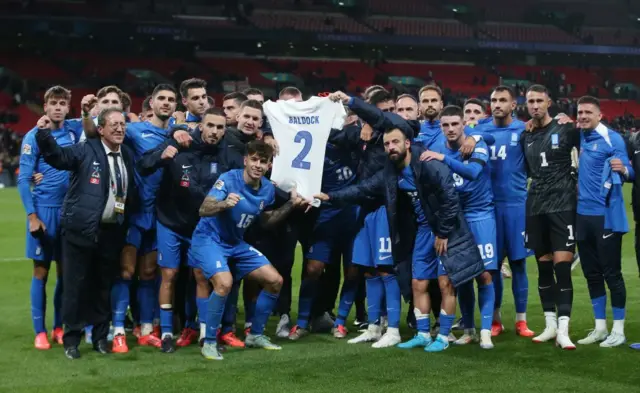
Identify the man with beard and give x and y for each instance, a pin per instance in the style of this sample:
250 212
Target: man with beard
188 174
141 236
42 205
424 217
509 183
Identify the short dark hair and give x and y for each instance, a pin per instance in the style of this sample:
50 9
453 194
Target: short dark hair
406 96
379 96
163 87
255 104
372 89
430 88
538 89
146 104
452 110
291 91
102 116
390 129
589 100
214 112
508 89
238 97
57 92
126 100
474 101
260 148
109 89
193 83
252 91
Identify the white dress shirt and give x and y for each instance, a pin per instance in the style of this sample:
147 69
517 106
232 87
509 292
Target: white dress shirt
109 213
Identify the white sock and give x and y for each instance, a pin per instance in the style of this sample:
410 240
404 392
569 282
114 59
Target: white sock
521 316
601 325
618 326
203 330
393 331
563 325
551 319
118 330
146 329
167 335
425 334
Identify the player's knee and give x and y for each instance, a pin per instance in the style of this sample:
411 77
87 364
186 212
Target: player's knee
485 278
419 286
274 283
446 287
40 271
169 276
314 269
222 284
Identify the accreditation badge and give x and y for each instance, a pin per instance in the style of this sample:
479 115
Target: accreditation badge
119 206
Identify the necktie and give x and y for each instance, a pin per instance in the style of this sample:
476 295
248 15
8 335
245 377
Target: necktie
119 184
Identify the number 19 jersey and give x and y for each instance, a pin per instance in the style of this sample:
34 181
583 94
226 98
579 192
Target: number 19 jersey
302 130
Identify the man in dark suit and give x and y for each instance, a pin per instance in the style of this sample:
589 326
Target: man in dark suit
94 214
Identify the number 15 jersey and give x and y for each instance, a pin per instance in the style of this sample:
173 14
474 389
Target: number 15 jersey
547 153
302 130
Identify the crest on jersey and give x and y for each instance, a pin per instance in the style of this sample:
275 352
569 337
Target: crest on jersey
95 175
214 168
26 149
554 141
514 139
184 180
219 184
72 136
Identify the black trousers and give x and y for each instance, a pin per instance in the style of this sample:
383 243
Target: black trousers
88 273
637 245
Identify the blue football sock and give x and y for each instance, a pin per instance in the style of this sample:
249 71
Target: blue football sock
230 310
57 304
486 298
446 321
38 303
190 307
375 296
599 305
201 303
120 301
249 310
393 299
519 285
264 305
498 285
618 313
215 309
166 319
308 290
348 295
156 308
467 302
423 322
148 301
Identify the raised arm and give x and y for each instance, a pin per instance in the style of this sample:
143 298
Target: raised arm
219 199
157 158
63 158
368 188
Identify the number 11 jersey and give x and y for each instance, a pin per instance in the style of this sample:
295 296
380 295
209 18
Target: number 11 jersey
547 153
302 130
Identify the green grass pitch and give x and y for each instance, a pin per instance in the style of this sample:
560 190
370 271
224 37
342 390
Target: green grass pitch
319 363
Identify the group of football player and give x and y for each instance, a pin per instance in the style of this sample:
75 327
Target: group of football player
511 188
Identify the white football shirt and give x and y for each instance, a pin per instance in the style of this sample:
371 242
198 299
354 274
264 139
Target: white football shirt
302 130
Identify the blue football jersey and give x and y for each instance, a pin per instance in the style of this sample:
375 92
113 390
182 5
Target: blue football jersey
476 196
339 171
141 137
53 187
430 134
506 161
407 184
229 226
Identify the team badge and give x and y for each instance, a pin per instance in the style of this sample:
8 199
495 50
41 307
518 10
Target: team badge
95 176
554 141
26 149
184 180
514 139
219 184
214 168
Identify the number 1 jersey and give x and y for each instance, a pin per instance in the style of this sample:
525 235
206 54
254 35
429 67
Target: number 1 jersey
302 130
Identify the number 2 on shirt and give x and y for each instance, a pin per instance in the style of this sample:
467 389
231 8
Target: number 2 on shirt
306 138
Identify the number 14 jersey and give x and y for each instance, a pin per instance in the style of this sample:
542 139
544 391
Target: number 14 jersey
302 130
547 153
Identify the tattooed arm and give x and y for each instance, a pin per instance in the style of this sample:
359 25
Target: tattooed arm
211 206
271 218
